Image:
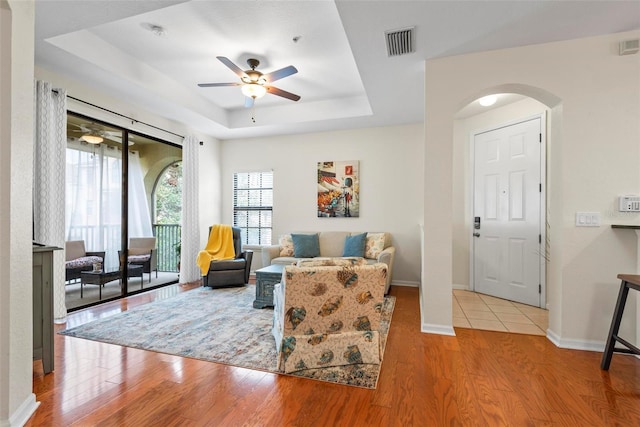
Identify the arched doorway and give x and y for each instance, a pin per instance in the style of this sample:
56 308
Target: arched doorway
442 105
502 255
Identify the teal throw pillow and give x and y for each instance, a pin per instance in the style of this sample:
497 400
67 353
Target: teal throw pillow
305 245
354 245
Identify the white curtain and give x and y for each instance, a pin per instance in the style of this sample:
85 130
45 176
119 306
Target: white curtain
139 213
94 195
49 176
190 238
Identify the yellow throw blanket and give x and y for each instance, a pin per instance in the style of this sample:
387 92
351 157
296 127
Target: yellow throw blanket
219 247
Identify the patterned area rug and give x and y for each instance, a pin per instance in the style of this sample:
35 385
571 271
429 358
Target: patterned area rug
221 326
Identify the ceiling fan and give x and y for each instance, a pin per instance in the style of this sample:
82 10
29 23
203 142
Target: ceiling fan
253 83
94 134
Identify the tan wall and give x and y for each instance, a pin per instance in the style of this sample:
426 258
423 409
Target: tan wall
593 155
390 191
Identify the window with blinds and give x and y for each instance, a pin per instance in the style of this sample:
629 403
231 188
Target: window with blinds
253 206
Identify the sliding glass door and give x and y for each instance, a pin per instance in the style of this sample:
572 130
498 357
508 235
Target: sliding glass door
109 207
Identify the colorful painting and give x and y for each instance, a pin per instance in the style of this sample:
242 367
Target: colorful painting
339 189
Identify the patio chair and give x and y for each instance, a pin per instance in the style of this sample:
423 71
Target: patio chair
77 259
142 251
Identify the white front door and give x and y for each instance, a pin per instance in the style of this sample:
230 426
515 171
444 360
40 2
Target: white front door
507 261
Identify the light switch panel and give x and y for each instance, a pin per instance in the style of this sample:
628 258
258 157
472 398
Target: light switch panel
587 219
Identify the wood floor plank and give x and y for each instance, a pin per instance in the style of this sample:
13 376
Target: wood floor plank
475 378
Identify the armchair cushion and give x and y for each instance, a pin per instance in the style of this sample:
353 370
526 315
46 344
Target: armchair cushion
84 261
229 264
328 315
138 258
305 245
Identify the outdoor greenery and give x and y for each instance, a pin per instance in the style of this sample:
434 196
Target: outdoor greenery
169 195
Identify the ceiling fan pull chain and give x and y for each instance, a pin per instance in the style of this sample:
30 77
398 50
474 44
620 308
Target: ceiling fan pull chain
253 113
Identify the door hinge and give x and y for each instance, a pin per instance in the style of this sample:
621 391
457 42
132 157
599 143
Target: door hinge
540 138
540 187
539 238
539 288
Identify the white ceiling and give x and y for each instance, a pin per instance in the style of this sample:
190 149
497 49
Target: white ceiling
345 78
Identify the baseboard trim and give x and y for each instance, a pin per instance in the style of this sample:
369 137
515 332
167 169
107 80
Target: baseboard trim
460 287
429 328
405 283
24 412
587 345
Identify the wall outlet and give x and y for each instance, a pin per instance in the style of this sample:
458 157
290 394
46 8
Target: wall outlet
587 219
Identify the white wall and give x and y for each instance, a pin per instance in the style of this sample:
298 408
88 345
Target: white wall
390 191
593 156
17 402
463 131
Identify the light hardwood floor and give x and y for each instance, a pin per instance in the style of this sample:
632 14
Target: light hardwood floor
477 378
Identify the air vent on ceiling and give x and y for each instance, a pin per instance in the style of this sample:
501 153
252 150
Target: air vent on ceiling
400 42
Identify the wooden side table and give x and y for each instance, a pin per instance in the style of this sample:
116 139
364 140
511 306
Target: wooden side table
629 281
266 279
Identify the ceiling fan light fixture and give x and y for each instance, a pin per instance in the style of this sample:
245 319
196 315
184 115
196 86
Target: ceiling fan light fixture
92 138
254 90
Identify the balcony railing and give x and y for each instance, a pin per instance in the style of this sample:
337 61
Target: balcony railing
167 237
107 238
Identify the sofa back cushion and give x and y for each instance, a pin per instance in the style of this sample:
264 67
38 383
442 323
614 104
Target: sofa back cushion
332 243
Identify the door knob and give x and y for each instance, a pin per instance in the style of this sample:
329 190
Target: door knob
476 234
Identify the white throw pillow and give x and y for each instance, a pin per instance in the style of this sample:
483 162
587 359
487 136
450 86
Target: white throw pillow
374 246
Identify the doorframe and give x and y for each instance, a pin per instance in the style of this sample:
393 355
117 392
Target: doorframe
543 255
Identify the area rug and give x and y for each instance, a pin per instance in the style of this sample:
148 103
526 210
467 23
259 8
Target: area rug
221 326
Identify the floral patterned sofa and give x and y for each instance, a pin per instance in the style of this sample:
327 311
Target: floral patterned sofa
328 315
378 248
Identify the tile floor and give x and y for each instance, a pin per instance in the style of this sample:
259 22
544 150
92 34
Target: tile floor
478 311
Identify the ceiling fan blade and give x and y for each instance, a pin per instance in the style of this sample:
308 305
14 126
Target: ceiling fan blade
233 67
278 74
283 93
217 84
248 102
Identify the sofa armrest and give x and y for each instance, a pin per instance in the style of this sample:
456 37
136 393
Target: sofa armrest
269 252
386 257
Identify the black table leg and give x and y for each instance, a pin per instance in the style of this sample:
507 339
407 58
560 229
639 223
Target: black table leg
615 326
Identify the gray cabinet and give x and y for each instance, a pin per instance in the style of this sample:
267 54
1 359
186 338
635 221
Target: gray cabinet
43 305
